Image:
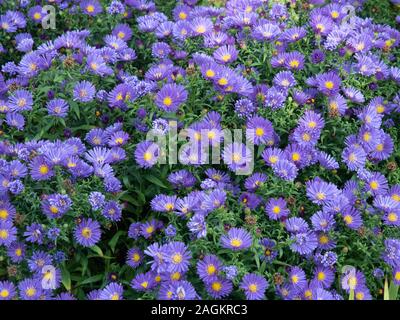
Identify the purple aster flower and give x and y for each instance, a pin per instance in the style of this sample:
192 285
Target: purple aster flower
91 7
56 205
354 157
7 290
38 260
256 180
178 257
30 289
284 80
84 91
304 242
143 282
57 108
21 100
225 54
147 154
122 31
294 60
328 83
163 203
134 257
113 291
170 97
391 254
177 290
276 208
34 233
218 287
352 218
112 211
322 221
182 179
377 184
237 156
259 130
297 278
208 267
96 200
254 286
285 170
323 277
269 252
321 192
317 56
244 108
8 233
87 233
266 32
16 251
236 239
197 226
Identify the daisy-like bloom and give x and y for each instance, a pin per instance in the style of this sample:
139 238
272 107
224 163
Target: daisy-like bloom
254 286
143 282
384 149
285 169
21 100
353 94
118 138
160 50
396 276
370 117
159 255
8 233
181 12
201 25
304 242
322 221
7 290
216 199
122 31
197 226
91 7
171 97
163 203
96 64
391 254
369 138
57 108
177 290
182 179
294 34
259 130
377 184
352 280
295 225
35 13
7 211
328 83
113 291
354 157
237 156
276 208
87 233
34 233
255 181
236 239
352 218
394 193
269 252
218 287
266 32
271 156
312 121
134 257
275 98
15 120
284 80
56 205
323 276
225 54
244 107
297 278
30 289
148 228
294 60
178 257
112 211
321 192
16 252
208 267
147 154
84 91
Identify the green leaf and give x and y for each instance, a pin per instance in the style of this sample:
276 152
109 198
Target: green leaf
113 242
351 295
97 250
66 278
393 290
156 181
93 279
386 291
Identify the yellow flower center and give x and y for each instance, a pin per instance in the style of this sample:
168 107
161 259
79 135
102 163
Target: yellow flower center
3 234
259 132
211 269
86 233
4 293
392 217
3 214
177 258
223 81
276 209
210 73
374 185
30 292
43 169
136 257
53 209
167 101
182 15
321 276
37 16
235 242
273 159
253 287
329 85
90 8
216 286
348 219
